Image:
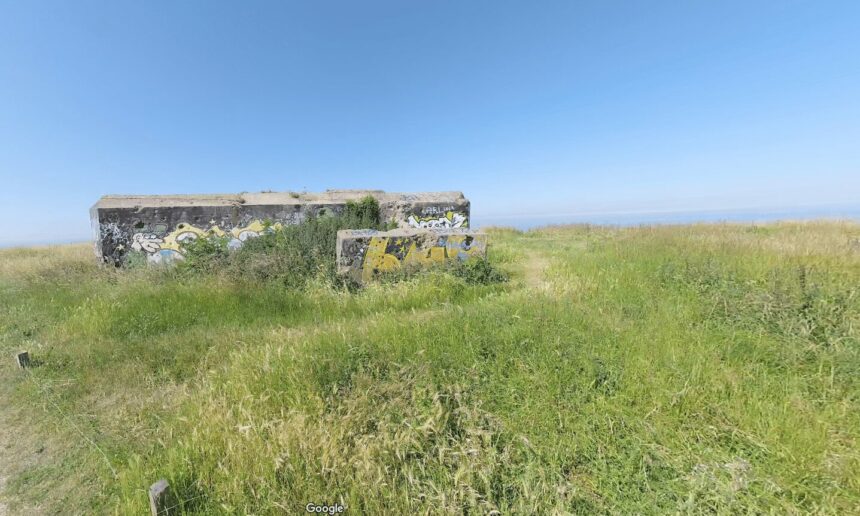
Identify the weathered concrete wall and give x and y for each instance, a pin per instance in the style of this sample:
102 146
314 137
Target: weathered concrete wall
365 253
156 226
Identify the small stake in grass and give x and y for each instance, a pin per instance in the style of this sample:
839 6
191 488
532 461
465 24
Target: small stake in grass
160 499
23 360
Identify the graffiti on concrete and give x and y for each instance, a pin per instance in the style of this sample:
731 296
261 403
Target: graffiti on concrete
169 248
450 219
146 242
386 254
140 227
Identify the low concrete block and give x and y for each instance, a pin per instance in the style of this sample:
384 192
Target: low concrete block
155 226
23 359
161 500
364 254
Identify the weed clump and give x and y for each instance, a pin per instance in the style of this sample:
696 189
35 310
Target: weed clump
478 272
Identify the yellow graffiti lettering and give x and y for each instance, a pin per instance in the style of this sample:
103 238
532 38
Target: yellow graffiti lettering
417 256
185 233
377 260
462 246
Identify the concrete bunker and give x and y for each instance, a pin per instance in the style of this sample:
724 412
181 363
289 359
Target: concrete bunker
156 226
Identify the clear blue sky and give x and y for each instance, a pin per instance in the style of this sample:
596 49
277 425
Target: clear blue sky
528 107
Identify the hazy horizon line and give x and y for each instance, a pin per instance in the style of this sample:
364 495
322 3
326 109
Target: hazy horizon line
853 205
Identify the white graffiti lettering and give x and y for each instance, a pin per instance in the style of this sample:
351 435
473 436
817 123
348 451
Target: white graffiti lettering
449 220
146 242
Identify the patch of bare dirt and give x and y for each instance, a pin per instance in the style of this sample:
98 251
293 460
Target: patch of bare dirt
535 270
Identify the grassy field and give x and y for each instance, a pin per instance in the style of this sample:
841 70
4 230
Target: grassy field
692 369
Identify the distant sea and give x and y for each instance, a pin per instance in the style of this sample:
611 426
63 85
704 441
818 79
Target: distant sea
832 212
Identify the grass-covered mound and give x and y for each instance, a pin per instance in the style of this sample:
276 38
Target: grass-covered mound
643 370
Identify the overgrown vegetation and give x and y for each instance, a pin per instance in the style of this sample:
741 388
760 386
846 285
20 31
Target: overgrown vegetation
694 369
293 255
290 255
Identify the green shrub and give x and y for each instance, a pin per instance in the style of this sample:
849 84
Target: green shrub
205 254
290 254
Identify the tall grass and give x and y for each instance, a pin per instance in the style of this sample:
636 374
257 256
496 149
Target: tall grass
696 369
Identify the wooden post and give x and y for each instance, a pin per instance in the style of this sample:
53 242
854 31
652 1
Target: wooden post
161 501
23 360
